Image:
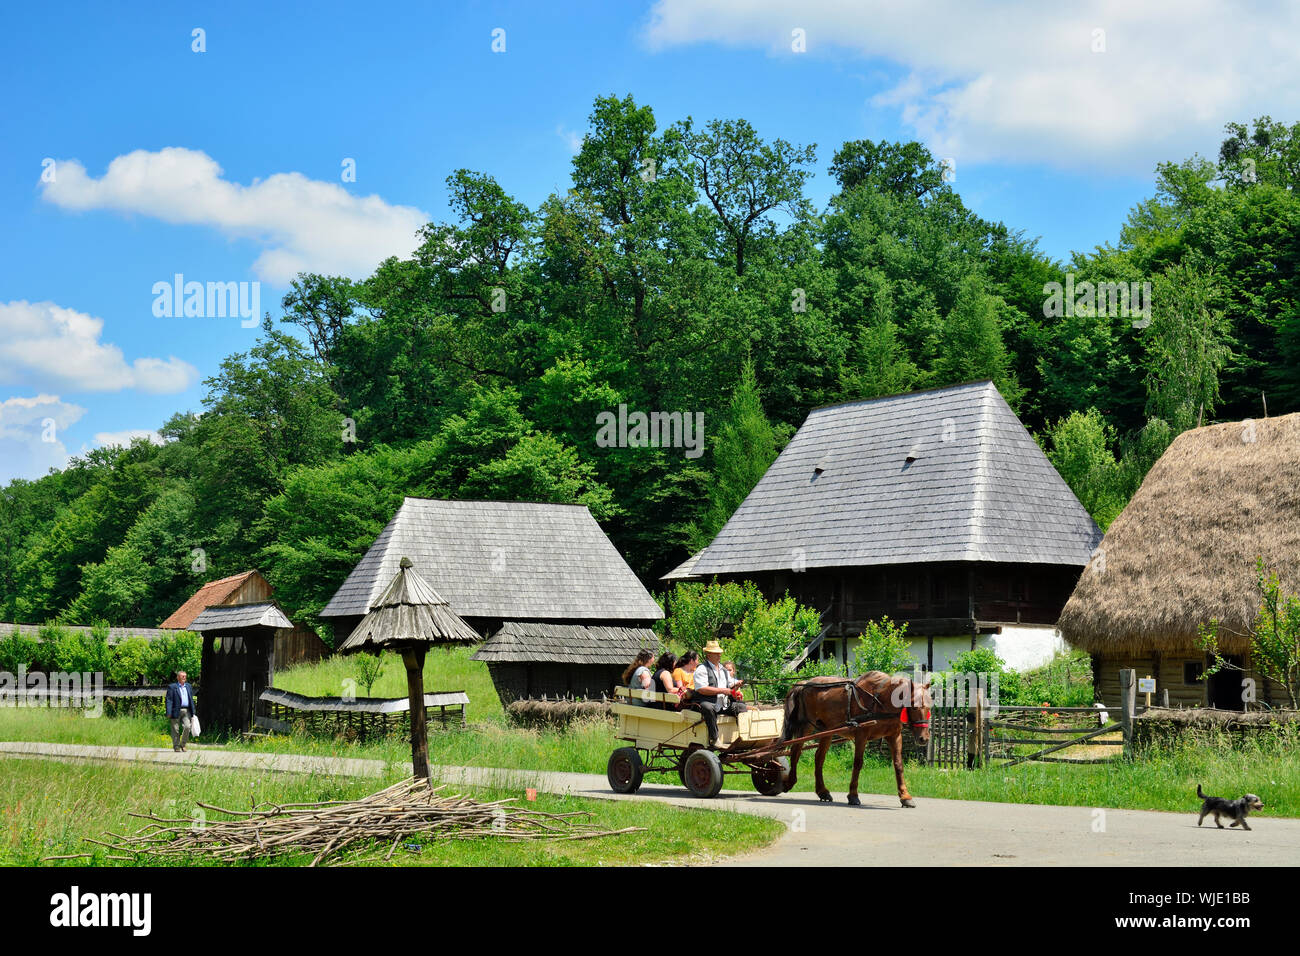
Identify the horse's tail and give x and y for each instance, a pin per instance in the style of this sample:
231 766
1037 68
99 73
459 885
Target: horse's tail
794 713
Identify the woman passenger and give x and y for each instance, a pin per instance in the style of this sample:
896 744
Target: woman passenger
684 673
664 682
638 677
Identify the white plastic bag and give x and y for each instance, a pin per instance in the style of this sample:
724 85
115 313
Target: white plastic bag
194 726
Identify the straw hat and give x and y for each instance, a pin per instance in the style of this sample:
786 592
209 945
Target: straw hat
713 647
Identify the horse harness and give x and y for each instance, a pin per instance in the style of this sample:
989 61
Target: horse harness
855 695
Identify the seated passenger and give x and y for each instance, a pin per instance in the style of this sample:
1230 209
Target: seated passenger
639 679
684 673
663 679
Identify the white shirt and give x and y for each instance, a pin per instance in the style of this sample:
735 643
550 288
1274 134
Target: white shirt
725 680
185 695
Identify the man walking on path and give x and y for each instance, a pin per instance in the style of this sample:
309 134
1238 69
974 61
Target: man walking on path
181 703
716 691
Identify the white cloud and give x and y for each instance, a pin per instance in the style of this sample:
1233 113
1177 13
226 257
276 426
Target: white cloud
124 438
303 225
571 139
30 429
45 345
1019 82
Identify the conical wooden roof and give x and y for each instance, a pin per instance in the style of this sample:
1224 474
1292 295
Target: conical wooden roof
409 612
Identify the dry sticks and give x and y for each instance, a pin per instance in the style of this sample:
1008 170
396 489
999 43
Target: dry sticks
331 828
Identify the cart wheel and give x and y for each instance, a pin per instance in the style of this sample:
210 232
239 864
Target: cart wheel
624 771
769 779
703 773
681 771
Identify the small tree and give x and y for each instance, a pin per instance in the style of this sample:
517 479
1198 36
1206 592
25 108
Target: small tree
1274 637
883 647
370 668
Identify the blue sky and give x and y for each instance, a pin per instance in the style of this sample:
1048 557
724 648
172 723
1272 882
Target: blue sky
226 163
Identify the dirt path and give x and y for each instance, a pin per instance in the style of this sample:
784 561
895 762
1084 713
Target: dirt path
881 833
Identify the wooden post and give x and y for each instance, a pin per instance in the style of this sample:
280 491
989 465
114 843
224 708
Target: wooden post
977 731
1164 697
414 659
1128 706
1148 695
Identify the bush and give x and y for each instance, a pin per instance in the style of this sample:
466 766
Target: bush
883 647
18 650
132 660
172 653
982 660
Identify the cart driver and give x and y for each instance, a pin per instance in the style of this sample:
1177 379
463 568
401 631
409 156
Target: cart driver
716 690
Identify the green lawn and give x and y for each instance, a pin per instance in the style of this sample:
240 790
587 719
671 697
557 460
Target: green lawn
49 808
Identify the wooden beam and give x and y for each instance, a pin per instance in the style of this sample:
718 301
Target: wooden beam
414 660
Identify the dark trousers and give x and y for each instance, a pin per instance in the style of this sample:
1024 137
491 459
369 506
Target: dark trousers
709 710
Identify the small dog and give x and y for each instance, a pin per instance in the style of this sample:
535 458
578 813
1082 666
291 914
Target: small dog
1237 809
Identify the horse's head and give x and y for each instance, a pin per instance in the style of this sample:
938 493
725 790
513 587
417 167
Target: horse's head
917 706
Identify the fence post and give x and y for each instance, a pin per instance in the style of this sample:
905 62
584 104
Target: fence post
1128 706
975 745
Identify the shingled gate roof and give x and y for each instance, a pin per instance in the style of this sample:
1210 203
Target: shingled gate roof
502 559
214 592
532 642
943 475
410 612
1184 549
266 614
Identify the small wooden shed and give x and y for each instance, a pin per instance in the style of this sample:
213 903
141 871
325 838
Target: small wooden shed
294 644
532 659
238 661
1184 552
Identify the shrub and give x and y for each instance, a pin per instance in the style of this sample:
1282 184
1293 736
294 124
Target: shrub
18 650
883 647
172 653
982 660
132 660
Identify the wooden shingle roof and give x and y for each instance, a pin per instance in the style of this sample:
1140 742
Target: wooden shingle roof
943 475
214 592
533 642
502 559
410 612
267 614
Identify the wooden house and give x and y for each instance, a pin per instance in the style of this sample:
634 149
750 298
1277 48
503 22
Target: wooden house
1184 553
562 612
294 644
935 508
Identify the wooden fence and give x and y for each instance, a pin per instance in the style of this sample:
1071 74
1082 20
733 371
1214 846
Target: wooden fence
360 718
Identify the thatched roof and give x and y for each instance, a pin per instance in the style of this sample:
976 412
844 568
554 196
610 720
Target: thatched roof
1184 549
409 612
533 642
240 617
948 474
509 560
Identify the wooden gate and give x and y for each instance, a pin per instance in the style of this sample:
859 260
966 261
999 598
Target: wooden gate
1035 733
950 737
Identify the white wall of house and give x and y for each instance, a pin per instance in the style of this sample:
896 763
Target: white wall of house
1022 646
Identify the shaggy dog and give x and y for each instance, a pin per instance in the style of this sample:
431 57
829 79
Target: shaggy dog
1236 809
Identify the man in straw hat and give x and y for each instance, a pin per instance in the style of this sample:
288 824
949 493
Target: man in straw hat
716 691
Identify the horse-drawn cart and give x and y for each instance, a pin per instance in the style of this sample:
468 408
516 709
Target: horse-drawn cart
666 740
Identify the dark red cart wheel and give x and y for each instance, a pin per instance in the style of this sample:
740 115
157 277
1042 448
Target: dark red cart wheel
703 773
770 779
624 771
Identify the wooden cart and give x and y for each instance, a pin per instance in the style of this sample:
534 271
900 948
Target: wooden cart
668 740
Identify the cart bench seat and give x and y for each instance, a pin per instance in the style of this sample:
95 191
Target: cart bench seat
651 728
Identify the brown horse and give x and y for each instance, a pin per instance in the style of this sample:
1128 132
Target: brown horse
870 707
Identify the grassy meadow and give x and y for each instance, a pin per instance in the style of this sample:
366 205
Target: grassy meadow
48 808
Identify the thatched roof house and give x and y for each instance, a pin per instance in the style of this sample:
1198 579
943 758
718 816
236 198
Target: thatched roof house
936 508
557 602
1184 552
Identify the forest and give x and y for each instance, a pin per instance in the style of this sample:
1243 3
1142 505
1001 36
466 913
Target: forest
684 271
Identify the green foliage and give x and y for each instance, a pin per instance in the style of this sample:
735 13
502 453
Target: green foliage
370 667
1079 446
1274 636
696 612
17 650
172 653
1186 348
883 647
133 660
1010 687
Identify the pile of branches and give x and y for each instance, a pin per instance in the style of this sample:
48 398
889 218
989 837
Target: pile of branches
407 810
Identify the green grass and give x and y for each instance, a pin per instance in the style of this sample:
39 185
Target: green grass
444 669
49 808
